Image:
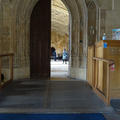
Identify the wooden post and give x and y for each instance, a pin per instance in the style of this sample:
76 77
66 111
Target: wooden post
11 66
93 73
97 70
0 68
108 85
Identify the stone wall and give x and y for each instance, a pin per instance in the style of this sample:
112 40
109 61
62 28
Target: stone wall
112 19
109 16
15 36
59 42
15 31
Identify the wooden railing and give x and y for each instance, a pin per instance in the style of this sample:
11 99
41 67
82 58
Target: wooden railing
102 77
10 55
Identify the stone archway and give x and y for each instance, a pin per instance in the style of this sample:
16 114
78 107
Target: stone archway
77 63
20 12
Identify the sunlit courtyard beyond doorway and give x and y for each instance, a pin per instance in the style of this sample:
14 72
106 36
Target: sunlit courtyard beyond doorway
59 70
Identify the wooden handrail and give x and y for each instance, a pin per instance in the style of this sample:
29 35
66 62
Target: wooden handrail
9 54
104 60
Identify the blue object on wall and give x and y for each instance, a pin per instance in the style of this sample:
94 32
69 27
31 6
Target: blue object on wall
115 30
105 45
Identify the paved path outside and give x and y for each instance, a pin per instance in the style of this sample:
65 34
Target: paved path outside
58 69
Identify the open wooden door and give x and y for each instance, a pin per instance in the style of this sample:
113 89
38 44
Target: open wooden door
40 38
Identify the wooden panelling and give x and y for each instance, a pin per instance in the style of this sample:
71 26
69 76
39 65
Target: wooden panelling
104 69
101 83
99 65
109 50
112 43
113 52
90 67
100 75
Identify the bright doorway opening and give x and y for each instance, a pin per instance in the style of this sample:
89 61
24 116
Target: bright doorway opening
59 40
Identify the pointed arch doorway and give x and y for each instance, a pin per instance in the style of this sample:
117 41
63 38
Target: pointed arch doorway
40 37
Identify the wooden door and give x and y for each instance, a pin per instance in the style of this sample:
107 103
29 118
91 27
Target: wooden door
40 37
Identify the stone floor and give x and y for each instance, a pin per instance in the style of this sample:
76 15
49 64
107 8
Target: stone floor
115 103
45 96
58 95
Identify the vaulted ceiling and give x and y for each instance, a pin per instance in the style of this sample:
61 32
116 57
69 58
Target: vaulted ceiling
59 17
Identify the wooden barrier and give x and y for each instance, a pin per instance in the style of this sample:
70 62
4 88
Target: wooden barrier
102 83
104 63
90 66
10 55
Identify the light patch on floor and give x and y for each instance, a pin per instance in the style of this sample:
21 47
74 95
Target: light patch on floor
59 71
